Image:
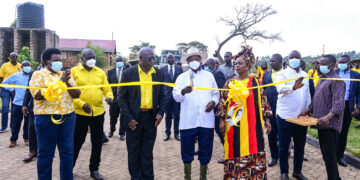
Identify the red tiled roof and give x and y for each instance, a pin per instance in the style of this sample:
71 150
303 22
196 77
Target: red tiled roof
79 44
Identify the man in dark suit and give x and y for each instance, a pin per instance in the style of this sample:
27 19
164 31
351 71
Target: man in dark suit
114 76
143 109
271 94
352 97
171 72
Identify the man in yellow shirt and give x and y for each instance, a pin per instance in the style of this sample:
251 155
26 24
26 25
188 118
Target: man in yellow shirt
89 108
314 72
356 65
143 109
6 70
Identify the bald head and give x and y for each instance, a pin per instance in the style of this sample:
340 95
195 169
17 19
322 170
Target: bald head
145 51
119 59
87 52
25 63
146 58
210 63
13 57
294 54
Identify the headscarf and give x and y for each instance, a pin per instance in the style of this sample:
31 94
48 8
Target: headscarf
246 52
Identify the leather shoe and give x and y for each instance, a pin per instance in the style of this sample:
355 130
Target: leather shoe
306 159
284 176
196 153
166 137
30 157
122 137
105 140
221 161
177 137
299 176
272 162
12 144
110 134
96 175
342 162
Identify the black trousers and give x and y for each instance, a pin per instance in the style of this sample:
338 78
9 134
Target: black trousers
114 115
32 132
140 143
328 139
344 132
96 124
273 137
172 108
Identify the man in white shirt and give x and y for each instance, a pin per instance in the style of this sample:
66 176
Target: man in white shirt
293 99
197 118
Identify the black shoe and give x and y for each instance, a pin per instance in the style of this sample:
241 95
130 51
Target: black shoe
105 140
272 162
122 137
342 162
284 176
306 159
221 161
196 153
166 137
299 176
96 175
111 133
177 137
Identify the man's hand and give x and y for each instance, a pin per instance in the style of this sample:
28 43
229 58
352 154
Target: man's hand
109 100
132 124
186 90
267 126
25 110
222 126
355 112
305 113
65 76
87 108
210 106
158 119
324 120
298 83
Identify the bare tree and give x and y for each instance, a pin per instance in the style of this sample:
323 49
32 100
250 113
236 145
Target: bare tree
243 25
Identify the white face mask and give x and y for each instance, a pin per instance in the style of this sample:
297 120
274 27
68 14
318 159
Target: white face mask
194 65
91 62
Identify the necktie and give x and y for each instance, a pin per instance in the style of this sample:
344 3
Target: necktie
171 72
119 75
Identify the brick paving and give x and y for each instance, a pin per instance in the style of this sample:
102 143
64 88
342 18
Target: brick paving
167 161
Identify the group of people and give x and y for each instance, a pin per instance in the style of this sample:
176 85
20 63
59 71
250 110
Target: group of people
240 116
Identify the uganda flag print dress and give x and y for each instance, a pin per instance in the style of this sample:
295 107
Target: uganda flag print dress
244 141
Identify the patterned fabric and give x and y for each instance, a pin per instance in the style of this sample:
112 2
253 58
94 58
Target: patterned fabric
247 167
38 79
261 73
246 137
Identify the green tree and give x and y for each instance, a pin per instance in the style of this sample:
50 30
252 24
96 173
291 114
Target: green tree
136 48
25 55
13 24
99 55
185 46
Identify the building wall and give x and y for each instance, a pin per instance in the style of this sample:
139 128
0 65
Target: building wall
6 43
69 58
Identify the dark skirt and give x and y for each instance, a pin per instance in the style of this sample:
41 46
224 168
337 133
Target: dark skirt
248 167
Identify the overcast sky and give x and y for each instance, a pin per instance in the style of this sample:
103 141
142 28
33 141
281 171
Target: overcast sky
304 25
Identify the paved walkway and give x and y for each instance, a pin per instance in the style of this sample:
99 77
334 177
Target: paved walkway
167 161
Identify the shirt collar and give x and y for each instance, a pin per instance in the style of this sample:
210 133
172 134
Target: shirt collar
83 68
275 71
152 71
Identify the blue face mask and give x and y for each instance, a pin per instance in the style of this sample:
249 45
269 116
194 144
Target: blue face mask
294 63
119 64
324 69
56 66
207 69
236 73
27 69
343 67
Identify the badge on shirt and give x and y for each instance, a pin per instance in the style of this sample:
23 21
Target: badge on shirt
19 69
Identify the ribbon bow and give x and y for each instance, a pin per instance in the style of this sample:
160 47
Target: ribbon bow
238 93
54 93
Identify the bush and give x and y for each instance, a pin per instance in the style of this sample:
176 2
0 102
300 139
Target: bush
25 55
99 55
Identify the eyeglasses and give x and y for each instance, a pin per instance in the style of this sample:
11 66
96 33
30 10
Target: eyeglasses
150 59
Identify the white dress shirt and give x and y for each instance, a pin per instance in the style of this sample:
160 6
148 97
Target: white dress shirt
117 73
193 105
291 103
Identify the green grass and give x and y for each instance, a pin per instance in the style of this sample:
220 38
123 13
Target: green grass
353 142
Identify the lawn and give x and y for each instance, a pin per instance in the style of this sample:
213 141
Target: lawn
353 143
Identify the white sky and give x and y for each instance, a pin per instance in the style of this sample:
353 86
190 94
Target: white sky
304 25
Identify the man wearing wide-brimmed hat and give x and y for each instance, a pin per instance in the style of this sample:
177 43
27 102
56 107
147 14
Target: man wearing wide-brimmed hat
197 117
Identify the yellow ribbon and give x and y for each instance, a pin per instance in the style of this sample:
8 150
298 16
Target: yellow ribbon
237 94
54 93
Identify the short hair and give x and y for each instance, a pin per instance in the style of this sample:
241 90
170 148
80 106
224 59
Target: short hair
345 56
47 53
277 56
170 54
228 52
330 57
25 61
